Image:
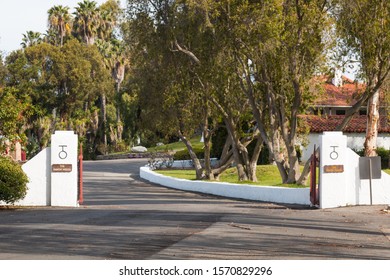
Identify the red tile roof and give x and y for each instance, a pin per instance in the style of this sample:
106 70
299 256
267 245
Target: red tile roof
358 124
345 95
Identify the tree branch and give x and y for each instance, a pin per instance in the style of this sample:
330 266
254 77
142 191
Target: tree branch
187 52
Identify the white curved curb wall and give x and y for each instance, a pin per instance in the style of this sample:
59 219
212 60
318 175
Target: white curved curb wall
250 192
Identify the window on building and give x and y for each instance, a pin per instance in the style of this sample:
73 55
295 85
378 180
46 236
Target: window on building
340 112
363 112
318 111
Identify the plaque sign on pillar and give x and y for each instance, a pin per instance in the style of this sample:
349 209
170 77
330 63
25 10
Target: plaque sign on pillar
64 168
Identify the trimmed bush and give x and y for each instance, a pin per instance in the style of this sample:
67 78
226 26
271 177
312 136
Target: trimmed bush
382 152
13 181
385 157
185 155
218 141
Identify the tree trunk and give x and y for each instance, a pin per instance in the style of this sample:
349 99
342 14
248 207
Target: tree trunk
372 125
294 171
104 120
195 160
255 157
241 172
306 169
240 153
225 160
222 167
118 74
207 150
305 174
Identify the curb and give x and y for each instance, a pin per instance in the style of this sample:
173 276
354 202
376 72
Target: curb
299 196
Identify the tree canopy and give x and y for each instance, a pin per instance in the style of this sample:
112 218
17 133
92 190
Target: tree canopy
169 69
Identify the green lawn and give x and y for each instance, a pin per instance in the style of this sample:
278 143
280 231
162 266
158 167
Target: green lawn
177 146
267 175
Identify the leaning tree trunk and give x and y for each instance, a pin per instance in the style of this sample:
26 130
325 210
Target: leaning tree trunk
372 126
194 158
225 160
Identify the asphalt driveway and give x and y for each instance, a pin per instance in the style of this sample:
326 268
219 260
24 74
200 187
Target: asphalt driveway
124 217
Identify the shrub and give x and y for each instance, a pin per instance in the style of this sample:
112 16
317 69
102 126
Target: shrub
218 141
385 157
185 155
382 152
13 181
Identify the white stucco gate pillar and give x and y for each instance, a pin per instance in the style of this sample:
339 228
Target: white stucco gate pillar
341 183
333 170
64 169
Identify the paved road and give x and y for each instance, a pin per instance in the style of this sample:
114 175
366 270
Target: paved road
124 217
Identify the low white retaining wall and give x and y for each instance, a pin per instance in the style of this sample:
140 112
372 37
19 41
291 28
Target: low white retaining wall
241 191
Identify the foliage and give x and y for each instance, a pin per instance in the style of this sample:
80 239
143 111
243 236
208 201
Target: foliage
174 68
11 117
364 31
177 145
86 21
385 157
184 154
218 142
60 22
382 152
61 85
31 38
13 181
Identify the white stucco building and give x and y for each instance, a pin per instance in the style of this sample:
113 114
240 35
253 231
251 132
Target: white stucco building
328 111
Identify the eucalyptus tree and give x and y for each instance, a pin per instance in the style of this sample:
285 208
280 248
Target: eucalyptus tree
278 46
60 21
364 29
180 36
170 98
31 38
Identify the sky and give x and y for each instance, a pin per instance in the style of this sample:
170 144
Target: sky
19 16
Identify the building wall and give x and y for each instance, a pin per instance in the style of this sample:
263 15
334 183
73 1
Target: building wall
355 141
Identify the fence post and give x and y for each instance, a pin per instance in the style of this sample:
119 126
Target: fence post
81 198
314 191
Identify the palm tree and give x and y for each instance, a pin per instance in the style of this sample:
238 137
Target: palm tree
60 20
106 26
114 57
31 38
87 21
110 12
